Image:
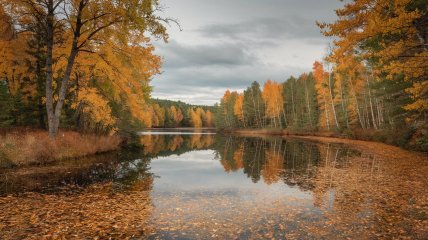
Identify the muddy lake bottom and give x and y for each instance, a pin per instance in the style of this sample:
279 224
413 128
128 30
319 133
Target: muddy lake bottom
202 185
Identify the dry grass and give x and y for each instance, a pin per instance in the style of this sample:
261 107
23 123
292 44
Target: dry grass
35 146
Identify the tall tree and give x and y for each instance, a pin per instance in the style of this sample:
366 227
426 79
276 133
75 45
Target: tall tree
74 27
254 106
238 109
273 98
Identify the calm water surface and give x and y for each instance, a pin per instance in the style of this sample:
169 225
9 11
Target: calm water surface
199 185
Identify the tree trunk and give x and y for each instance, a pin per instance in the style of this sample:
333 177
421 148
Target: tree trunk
344 110
366 112
55 114
49 92
243 115
357 105
292 102
371 104
326 113
307 103
259 123
331 100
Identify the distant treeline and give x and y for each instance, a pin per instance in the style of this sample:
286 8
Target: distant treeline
172 114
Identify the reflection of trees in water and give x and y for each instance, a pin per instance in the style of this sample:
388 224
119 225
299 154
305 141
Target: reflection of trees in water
277 159
123 168
360 195
175 144
351 189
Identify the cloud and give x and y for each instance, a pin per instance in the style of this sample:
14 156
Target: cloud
206 84
225 54
264 30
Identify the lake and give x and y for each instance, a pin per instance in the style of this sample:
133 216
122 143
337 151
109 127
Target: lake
198 185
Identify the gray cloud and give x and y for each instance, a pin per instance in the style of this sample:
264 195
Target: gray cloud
273 29
225 54
205 85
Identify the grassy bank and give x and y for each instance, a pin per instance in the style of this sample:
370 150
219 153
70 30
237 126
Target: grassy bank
26 147
404 138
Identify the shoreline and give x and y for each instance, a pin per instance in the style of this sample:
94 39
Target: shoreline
383 150
314 135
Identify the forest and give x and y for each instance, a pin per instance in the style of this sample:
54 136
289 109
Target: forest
372 84
87 66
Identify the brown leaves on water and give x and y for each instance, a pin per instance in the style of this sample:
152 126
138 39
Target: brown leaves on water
94 213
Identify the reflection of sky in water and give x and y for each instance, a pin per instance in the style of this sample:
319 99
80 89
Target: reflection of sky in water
199 172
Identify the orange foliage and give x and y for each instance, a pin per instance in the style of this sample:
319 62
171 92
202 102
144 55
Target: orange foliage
322 89
272 96
273 166
238 109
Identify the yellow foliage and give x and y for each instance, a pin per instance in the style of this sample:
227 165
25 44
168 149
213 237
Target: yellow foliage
272 96
393 32
195 117
238 109
94 105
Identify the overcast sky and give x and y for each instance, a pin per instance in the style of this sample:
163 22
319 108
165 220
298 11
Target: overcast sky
227 44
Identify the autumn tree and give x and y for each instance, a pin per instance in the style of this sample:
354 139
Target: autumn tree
208 120
195 117
175 115
225 117
254 107
238 109
325 99
273 98
74 28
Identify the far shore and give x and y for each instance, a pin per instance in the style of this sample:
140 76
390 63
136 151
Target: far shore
363 137
377 148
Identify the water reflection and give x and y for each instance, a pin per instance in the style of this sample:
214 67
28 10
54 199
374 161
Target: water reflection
198 186
275 159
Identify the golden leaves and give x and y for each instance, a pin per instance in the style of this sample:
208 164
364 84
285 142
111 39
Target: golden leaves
96 106
387 34
272 96
238 108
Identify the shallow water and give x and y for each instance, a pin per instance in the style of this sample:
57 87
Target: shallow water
199 185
